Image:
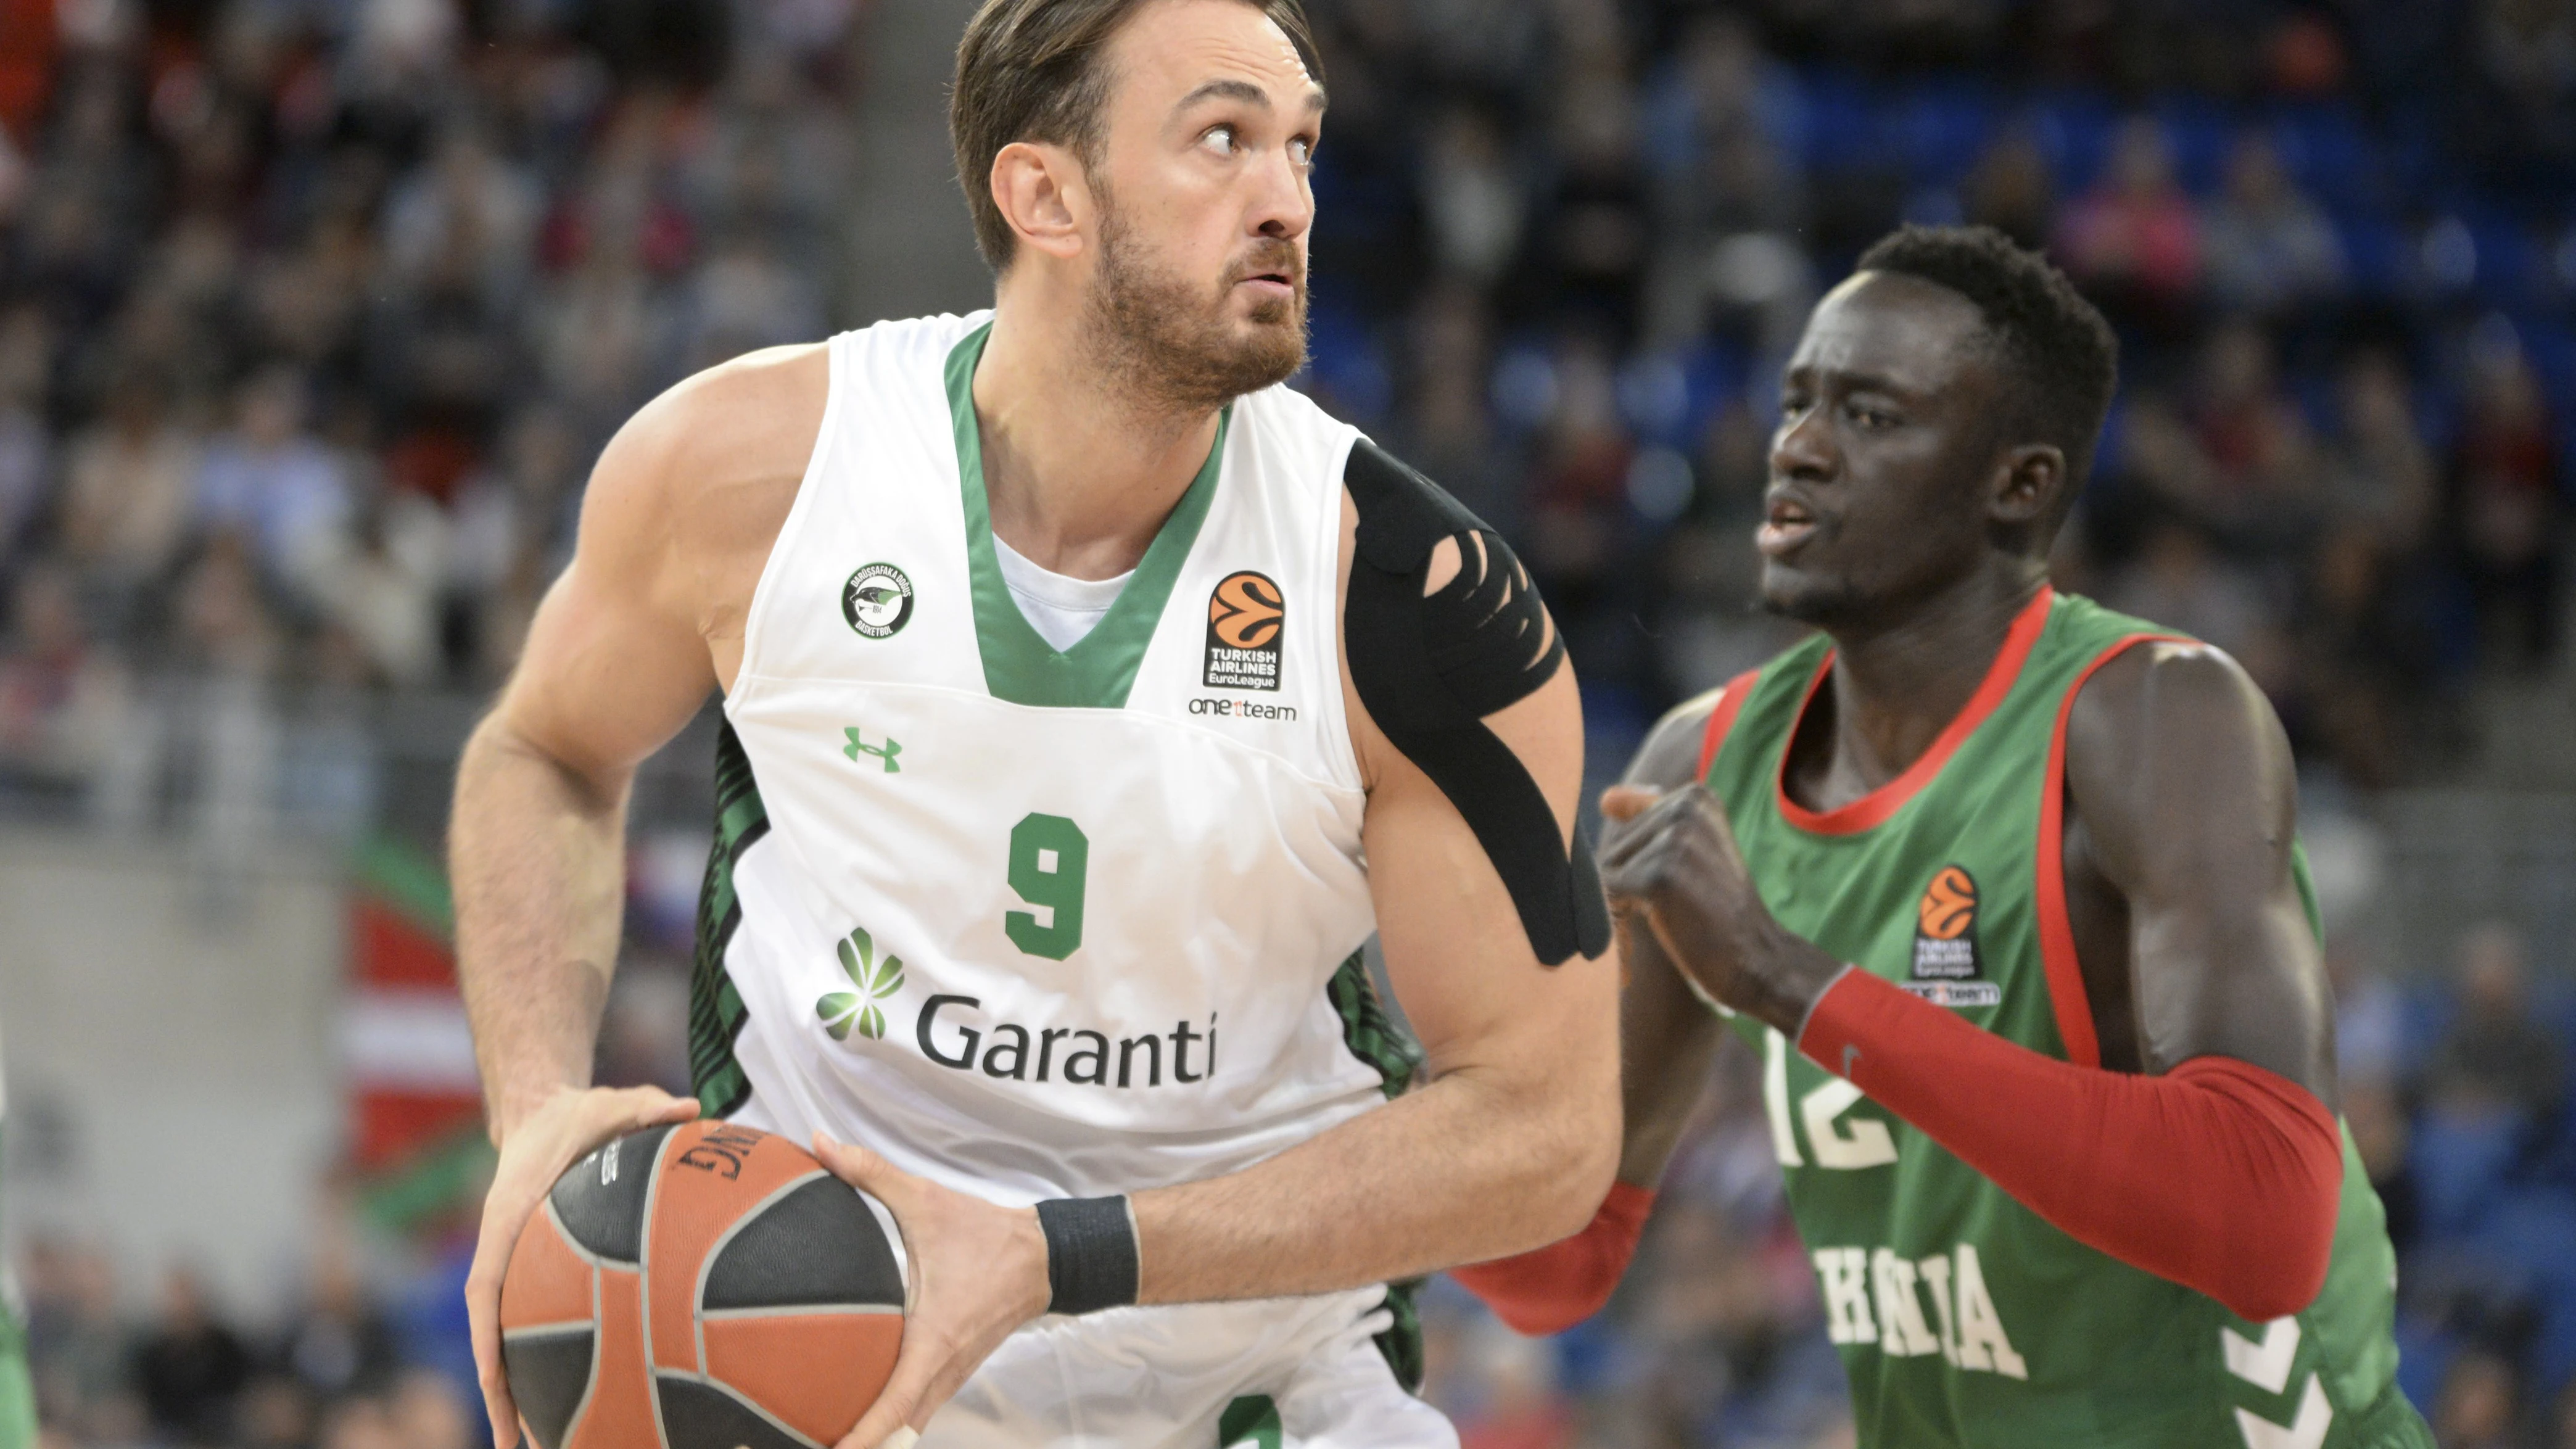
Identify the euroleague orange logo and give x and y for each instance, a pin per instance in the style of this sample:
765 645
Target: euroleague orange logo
1246 615
1245 611
1949 905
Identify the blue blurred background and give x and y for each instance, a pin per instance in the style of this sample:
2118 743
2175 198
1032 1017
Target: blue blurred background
313 314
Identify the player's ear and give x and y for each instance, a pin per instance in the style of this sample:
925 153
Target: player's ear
2027 484
1042 193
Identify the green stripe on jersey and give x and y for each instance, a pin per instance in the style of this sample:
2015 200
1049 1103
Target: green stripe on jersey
716 1012
1100 668
1376 1040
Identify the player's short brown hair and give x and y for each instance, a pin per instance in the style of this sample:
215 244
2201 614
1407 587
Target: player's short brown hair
1031 70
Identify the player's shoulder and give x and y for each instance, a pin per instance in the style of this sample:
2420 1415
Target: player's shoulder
1676 749
751 416
2164 691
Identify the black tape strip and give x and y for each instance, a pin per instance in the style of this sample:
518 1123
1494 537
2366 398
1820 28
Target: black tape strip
1091 1253
1430 669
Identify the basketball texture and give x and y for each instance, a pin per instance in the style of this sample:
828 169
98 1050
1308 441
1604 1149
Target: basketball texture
704 1286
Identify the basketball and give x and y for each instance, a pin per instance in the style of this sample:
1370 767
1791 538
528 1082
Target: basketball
704 1286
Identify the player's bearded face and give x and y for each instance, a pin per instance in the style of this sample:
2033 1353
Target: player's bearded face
1185 341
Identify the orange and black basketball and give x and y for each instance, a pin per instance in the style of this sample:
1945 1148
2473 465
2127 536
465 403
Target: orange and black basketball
704 1286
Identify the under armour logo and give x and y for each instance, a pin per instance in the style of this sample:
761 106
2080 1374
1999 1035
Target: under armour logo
885 752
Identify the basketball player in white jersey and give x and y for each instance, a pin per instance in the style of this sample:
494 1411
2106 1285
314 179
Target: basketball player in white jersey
1089 698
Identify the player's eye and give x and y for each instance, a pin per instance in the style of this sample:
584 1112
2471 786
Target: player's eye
1301 152
1219 139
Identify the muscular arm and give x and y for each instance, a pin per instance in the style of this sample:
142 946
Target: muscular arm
679 515
618 658
2182 783
1511 1143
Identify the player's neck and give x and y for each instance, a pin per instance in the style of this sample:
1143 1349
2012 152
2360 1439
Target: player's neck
1896 687
1079 477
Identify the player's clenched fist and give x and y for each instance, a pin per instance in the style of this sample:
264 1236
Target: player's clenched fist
974 1272
545 1142
1671 868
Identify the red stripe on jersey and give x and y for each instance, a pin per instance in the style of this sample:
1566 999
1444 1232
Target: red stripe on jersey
2066 994
1875 807
1721 718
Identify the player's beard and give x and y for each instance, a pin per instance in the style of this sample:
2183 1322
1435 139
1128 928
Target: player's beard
1167 342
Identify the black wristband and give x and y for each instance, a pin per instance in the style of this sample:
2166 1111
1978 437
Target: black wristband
1091 1253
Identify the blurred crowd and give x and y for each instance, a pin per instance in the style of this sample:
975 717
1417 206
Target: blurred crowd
347 1366
313 314
1564 247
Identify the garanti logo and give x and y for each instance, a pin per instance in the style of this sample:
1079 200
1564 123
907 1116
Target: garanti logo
1246 616
876 980
1946 967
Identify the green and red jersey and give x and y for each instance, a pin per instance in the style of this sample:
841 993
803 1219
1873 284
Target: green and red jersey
1964 1318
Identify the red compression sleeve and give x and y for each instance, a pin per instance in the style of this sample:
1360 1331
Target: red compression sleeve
1551 1289
2219 1176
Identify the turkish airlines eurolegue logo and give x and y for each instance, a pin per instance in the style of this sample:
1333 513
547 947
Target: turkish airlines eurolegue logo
1947 971
1949 906
1247 615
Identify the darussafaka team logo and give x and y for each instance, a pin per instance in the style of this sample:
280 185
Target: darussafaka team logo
877 600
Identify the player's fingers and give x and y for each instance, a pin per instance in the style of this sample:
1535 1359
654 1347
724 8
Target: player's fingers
650 1106
899 1404
483 1324
870 1174
1626 802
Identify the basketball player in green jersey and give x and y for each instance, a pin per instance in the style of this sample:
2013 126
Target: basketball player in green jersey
2005 889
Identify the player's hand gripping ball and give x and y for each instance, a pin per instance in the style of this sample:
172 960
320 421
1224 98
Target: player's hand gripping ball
700 1286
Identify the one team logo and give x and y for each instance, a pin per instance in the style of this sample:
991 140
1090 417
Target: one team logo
877 600
1246 616
1946 967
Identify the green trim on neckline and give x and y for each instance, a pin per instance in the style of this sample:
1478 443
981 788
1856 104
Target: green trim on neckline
1100 668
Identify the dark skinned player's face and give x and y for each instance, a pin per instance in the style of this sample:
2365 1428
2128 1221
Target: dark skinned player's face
1885 464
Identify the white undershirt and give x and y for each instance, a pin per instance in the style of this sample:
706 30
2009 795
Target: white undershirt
1061 609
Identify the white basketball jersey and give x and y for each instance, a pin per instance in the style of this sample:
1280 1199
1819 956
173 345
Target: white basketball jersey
1037 923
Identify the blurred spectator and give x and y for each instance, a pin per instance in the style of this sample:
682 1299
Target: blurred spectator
128 493
275 486
2271 251
339 1343
1471 200
2379 475
190 1366
2505 505
2179 581
76 1348
2010 189
2477 1409
59 697
2495 1056
2264 465
2134 241
26 445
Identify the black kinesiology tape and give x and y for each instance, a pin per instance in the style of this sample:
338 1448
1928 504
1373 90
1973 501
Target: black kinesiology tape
1430 669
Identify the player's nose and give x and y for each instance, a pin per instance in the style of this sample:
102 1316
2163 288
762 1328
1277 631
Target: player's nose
1803 447
1283 205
